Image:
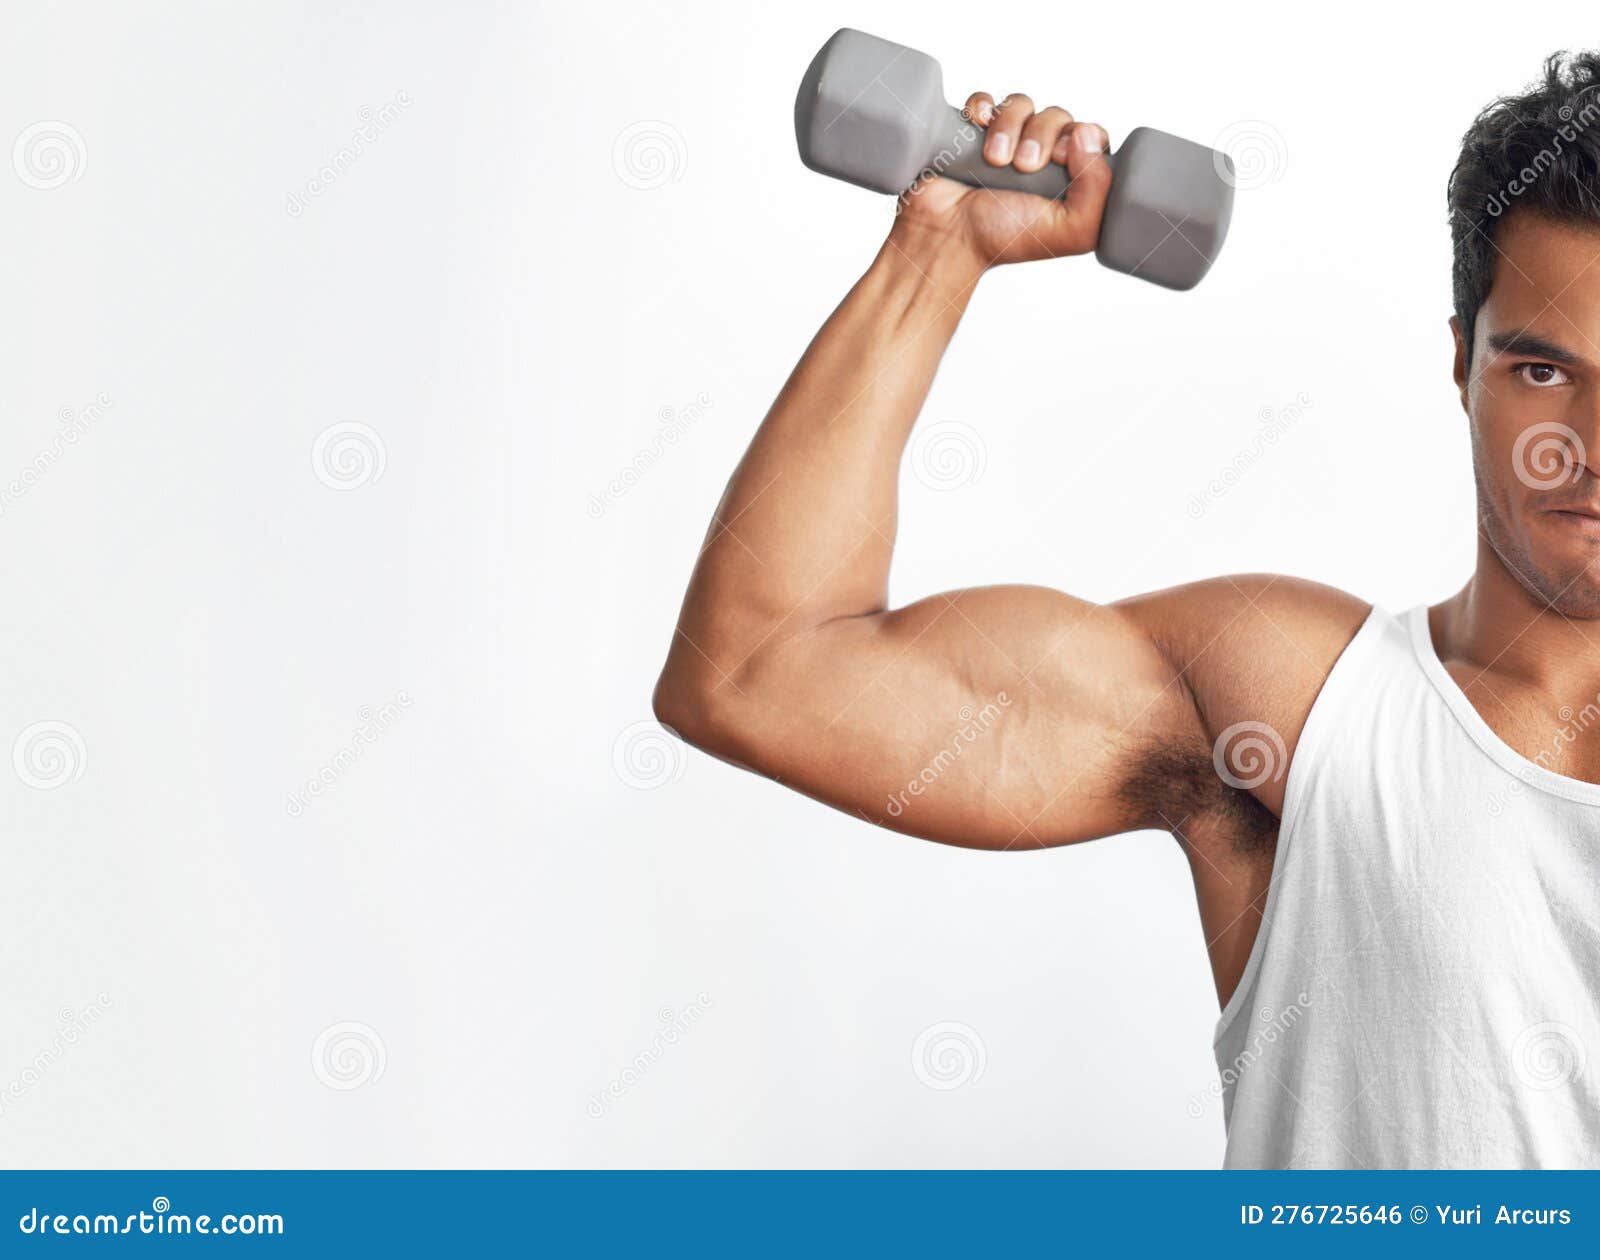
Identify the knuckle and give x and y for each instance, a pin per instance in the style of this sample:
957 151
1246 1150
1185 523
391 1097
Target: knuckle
1047 122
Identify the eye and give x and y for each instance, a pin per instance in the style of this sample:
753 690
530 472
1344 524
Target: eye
1542 375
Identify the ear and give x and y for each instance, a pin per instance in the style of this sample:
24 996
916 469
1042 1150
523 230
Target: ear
1461 362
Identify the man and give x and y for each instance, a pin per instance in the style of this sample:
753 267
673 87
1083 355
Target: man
1393 823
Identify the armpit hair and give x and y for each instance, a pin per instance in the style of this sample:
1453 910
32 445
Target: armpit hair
1176 788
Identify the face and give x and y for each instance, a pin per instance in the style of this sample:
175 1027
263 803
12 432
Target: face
1532 395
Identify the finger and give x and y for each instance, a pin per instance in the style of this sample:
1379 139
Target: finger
979 108
1078 215
1058 154
1064 142
1001 141
1040 135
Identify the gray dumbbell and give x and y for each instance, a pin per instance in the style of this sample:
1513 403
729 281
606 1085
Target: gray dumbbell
873 113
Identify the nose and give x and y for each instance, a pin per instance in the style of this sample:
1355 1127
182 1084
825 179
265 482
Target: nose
1584 419
1554 453
1570 438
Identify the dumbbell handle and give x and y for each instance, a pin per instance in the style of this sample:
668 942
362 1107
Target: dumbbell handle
958 155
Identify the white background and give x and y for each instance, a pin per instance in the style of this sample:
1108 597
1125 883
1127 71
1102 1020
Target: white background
515 884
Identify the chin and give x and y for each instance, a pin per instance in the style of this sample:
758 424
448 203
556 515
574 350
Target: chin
1570 585
1563 564
1555 558
1580 603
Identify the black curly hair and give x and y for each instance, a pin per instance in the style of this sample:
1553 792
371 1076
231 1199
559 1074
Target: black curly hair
1539 152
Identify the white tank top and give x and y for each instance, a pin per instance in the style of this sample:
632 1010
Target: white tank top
1424 990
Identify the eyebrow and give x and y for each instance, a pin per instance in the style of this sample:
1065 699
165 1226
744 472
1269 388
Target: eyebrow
1534 347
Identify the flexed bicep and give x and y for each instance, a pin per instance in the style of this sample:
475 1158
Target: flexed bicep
999 717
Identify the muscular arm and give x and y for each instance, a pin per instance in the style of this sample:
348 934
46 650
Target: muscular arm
787 660
999 717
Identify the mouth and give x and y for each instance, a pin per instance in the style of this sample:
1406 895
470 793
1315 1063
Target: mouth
1584 517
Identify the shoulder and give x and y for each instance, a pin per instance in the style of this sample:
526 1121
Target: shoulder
1252 651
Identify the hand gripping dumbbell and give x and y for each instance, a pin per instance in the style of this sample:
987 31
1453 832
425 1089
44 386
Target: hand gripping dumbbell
873 113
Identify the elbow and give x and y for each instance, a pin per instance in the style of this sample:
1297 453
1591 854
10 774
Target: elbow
690 704
673 702
730 709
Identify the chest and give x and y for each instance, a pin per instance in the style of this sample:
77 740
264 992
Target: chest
1558 734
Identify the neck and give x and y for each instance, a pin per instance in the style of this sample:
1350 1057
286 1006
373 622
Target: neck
1495 624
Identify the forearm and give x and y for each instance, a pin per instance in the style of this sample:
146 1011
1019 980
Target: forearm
804 532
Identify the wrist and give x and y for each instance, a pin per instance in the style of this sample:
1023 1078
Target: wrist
932 257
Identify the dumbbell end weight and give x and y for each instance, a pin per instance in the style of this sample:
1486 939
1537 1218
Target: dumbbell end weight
873 113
